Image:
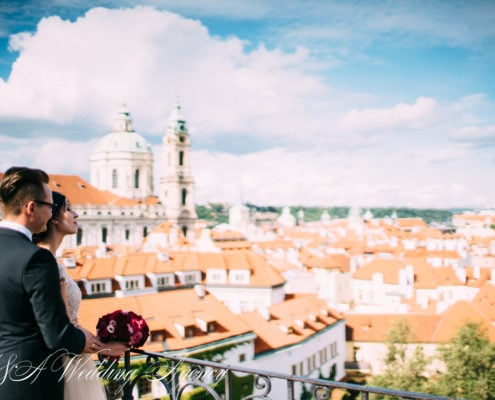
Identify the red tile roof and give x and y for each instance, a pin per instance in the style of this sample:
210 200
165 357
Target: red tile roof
162 310
388 267
283 329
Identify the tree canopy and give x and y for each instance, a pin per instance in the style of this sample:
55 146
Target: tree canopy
468 365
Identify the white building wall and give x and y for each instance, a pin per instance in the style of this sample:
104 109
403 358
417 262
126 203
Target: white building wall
239 299
306 354
334 287
117 220
374 354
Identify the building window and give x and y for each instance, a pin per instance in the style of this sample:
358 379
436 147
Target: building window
157 336
333 349
145 231
184 230
217 277
98 287
163 281
323 355
104 234
115 181
132 284
189 332
127 234
190 278
136 179
184 196
242 357
181 158
237 277
79 236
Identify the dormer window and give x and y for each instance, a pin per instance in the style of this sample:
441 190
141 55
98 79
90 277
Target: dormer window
98 287
239 276
162 281
158 336
212 326
189 331
206 323
185 329
132 284
214 275
191 277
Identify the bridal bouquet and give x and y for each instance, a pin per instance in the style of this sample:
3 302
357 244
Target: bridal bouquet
123 326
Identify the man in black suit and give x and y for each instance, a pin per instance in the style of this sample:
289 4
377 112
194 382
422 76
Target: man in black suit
34 329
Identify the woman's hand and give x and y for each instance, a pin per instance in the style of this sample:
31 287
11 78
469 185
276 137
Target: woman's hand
113 349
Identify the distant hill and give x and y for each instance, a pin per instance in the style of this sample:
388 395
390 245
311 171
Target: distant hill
219 212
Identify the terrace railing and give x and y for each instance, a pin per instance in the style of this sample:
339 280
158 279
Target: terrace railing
179 375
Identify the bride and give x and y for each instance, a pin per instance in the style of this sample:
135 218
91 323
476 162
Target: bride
81 380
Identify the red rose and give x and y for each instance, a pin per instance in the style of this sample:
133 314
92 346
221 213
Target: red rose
123 326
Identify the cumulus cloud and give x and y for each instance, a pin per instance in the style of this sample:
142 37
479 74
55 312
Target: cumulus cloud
281 177
401 116
474 133
56 156
287 136
82 70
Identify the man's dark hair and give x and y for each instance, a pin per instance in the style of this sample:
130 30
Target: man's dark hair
20 185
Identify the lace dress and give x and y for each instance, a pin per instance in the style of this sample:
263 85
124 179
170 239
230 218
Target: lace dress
81 379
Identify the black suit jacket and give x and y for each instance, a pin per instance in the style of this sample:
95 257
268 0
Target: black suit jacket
34 328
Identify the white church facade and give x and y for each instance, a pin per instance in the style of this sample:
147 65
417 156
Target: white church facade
118 205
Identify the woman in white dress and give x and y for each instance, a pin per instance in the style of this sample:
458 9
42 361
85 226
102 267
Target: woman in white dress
81 380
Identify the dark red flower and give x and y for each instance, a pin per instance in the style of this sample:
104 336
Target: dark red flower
123 326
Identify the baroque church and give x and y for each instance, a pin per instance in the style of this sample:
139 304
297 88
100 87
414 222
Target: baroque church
119 205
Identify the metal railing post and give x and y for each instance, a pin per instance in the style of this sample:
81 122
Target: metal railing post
228 385
127 389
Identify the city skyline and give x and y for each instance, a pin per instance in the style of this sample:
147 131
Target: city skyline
371 104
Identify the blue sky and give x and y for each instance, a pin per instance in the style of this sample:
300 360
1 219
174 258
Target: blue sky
361 103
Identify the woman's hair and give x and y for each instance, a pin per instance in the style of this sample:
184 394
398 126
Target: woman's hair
60 201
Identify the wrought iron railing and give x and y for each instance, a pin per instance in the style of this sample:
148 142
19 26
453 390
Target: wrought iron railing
179 375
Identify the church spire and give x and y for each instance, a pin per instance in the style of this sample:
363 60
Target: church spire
176 121
123 121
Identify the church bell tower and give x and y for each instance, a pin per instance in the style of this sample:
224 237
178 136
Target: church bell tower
176 190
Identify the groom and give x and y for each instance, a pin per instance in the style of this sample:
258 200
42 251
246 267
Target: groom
34 328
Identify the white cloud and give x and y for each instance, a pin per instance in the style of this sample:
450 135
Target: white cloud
323 146
402 116
281 177
80 70
474 132
55 156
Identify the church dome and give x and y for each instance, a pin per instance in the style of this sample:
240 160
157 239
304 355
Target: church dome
123 137
122 141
